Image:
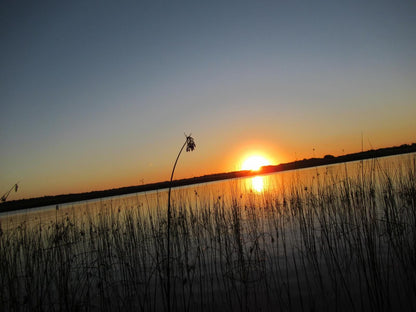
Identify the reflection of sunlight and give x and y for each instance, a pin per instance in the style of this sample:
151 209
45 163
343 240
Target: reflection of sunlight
257 184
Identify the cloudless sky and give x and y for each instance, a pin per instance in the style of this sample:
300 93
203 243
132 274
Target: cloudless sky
98 94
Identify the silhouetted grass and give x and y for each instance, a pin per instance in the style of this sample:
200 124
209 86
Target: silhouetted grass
340 240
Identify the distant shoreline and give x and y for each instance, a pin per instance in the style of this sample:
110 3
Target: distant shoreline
300 164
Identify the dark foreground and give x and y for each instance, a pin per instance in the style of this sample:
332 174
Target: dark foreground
340 242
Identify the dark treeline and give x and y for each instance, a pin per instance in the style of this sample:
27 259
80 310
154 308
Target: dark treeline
299 164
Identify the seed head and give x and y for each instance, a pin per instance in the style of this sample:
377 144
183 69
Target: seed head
190 143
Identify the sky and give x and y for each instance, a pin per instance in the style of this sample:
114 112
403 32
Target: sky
98 94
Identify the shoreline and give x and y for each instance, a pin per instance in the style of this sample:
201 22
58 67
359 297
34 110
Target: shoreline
299 164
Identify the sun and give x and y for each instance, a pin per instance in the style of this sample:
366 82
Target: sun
254 163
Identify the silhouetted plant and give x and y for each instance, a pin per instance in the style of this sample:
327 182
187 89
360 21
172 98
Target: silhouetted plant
330 243
5 195
190 146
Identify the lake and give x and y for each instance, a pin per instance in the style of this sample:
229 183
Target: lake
339 237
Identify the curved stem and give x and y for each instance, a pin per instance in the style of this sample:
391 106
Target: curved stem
4 197
169 217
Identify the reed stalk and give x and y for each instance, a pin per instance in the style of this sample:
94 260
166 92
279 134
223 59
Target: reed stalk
190 146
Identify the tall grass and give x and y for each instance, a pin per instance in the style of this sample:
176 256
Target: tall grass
341 240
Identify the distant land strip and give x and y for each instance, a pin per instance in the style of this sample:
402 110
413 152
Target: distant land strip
305 163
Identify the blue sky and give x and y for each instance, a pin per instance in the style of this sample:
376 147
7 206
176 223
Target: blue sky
98 94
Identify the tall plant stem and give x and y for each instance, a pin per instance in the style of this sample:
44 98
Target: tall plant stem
169 217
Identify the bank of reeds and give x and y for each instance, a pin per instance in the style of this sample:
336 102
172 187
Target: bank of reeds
337 242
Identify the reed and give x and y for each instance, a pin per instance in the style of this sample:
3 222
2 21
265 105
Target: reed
338 241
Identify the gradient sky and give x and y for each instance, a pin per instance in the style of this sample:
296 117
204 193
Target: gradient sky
98 94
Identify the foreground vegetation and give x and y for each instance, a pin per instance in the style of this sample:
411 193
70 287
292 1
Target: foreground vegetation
332 242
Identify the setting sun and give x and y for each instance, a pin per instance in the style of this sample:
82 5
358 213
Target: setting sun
254 163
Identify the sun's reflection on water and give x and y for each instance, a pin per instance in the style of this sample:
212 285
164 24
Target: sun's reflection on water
256 184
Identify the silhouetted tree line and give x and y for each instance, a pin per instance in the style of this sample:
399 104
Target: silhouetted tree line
305 163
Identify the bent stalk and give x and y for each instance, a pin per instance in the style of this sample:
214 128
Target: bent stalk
190 146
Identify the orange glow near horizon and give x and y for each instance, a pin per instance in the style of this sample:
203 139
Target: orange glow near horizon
254 162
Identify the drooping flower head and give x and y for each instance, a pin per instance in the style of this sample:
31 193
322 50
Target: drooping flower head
190 143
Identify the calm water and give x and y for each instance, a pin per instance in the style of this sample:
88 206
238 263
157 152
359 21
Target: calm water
248 189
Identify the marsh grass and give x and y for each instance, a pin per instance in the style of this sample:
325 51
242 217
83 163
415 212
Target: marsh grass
336 240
